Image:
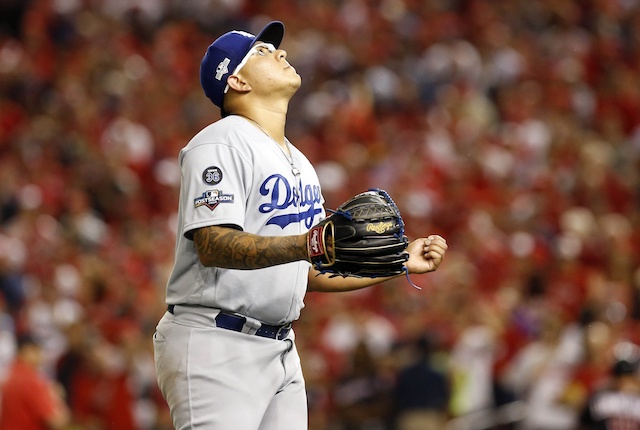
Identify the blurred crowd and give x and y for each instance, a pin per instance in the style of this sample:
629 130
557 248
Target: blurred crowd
511 128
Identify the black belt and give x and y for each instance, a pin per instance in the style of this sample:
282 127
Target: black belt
237 322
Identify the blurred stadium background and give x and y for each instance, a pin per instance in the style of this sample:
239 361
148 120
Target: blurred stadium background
511 128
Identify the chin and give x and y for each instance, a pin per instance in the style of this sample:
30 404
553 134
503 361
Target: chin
295 83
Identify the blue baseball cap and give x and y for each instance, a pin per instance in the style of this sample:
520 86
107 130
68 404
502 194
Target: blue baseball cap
227 52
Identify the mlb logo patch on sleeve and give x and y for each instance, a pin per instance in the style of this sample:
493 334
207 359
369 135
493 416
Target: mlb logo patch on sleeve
212 198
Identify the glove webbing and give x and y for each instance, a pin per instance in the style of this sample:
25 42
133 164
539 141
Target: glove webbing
395 206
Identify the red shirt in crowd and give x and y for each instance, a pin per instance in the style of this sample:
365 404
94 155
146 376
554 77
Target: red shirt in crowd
28 399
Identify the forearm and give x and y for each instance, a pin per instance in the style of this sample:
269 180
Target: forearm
233 249
60 417
327 284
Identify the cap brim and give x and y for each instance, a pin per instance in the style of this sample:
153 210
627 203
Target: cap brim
271 33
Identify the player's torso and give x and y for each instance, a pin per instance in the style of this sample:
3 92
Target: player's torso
237 175
282 192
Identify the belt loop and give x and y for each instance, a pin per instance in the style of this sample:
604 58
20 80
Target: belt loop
251 326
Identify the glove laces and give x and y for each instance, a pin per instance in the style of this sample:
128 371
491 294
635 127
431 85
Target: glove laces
406 273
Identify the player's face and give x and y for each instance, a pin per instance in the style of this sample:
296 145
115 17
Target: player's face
267 69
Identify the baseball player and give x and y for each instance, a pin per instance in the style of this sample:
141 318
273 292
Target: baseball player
616 403
224 351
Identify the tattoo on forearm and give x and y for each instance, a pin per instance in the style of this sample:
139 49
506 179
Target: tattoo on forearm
229 248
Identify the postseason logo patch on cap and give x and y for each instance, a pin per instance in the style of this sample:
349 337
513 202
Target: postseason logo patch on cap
222 68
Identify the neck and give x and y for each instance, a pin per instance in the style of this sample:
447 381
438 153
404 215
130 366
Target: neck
271 125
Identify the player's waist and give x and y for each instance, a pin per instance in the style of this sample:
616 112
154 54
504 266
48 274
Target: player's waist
231 321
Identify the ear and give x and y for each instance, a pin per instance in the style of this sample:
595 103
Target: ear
237 83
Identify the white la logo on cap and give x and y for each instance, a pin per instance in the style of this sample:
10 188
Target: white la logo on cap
222 68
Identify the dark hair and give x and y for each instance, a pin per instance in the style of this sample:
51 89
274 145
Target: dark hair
624 367
627 356
26 339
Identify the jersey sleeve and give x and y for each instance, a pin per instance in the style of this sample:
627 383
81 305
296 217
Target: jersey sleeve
213 187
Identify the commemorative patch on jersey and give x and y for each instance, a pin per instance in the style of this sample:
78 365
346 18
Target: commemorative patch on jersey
212 175
212 198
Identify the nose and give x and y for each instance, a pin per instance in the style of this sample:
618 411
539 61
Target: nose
281 54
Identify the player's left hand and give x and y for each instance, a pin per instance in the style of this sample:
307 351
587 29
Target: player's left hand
426 254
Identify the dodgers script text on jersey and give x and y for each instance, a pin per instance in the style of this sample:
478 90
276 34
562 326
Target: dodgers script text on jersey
304 201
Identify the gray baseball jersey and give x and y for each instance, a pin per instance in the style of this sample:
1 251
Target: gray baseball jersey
234 174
